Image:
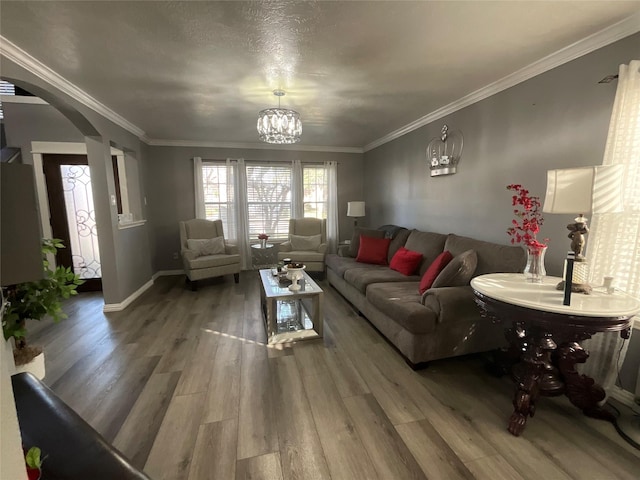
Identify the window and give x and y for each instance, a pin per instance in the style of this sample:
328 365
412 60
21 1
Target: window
217 179
6 88
269 200
315 186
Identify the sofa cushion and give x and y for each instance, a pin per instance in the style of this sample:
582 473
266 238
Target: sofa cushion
373 250
360 278
434 270
405 261
458 272
355 240
339 264
430 245
398 241
209 261
308 243
401 302
206 246
492 257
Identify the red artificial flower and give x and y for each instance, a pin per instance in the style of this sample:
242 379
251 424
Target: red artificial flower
529 217
263 236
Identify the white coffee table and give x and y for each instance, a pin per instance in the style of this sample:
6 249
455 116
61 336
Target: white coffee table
291 316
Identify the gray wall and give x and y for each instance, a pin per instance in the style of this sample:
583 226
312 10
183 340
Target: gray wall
125 254
168 173
556 120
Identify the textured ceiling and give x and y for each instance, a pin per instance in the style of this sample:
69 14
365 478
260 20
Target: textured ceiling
200 71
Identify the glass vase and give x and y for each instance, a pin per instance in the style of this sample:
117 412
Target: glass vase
263 243
534 272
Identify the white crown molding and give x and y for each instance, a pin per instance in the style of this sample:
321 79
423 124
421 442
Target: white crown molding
606 36
14 53
254 146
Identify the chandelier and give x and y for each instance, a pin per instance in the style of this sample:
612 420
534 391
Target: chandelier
279 125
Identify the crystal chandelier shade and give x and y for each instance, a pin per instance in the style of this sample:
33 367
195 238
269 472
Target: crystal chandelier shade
279 125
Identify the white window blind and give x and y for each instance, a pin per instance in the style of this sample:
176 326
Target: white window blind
6 88
269 200
316 191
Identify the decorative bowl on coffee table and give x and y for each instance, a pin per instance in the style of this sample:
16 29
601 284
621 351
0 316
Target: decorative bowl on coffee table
294 273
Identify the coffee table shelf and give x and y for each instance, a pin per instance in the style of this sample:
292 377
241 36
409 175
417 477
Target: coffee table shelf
291 316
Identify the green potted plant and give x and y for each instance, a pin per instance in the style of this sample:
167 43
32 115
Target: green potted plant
36 300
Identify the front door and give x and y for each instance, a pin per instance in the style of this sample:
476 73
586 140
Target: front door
73 218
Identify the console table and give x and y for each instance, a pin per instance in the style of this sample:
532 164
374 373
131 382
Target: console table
544 338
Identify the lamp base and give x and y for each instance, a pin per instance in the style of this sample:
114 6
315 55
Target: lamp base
576 287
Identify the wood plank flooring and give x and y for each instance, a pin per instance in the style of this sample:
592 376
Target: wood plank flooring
184 385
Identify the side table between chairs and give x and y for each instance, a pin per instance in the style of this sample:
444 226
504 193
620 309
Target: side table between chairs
264 256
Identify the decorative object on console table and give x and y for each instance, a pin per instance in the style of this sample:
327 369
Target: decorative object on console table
583 190
356 210
263 237
444 152
525 229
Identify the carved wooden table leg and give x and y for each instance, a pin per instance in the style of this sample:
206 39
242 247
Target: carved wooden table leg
505 359
582 390
536 365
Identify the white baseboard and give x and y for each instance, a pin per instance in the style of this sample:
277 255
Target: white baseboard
116 307
166 273
623 396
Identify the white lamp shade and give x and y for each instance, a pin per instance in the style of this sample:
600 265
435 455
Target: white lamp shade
584 190
355 209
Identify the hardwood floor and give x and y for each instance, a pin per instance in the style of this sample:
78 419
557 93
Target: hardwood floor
184 384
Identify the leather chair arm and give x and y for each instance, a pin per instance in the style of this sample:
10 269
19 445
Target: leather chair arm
73 449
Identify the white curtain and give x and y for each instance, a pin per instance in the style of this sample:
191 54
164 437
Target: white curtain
297 190
239 172
332 206
614 241
198 187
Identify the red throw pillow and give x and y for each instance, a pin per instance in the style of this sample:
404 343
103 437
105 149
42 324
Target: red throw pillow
434 269
405 261
373 250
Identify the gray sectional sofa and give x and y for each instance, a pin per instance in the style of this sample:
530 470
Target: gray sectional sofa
443 322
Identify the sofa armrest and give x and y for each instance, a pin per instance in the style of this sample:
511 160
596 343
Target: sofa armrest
322 248
344 250
231 249
188 254
285 247
451 303
73 449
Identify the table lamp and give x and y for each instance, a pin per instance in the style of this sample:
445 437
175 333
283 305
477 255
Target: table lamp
583 190
356 210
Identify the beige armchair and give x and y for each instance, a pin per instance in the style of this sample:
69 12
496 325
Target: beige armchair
204 256
303 245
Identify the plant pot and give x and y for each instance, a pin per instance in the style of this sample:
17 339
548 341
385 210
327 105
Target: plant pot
35 366
33 473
